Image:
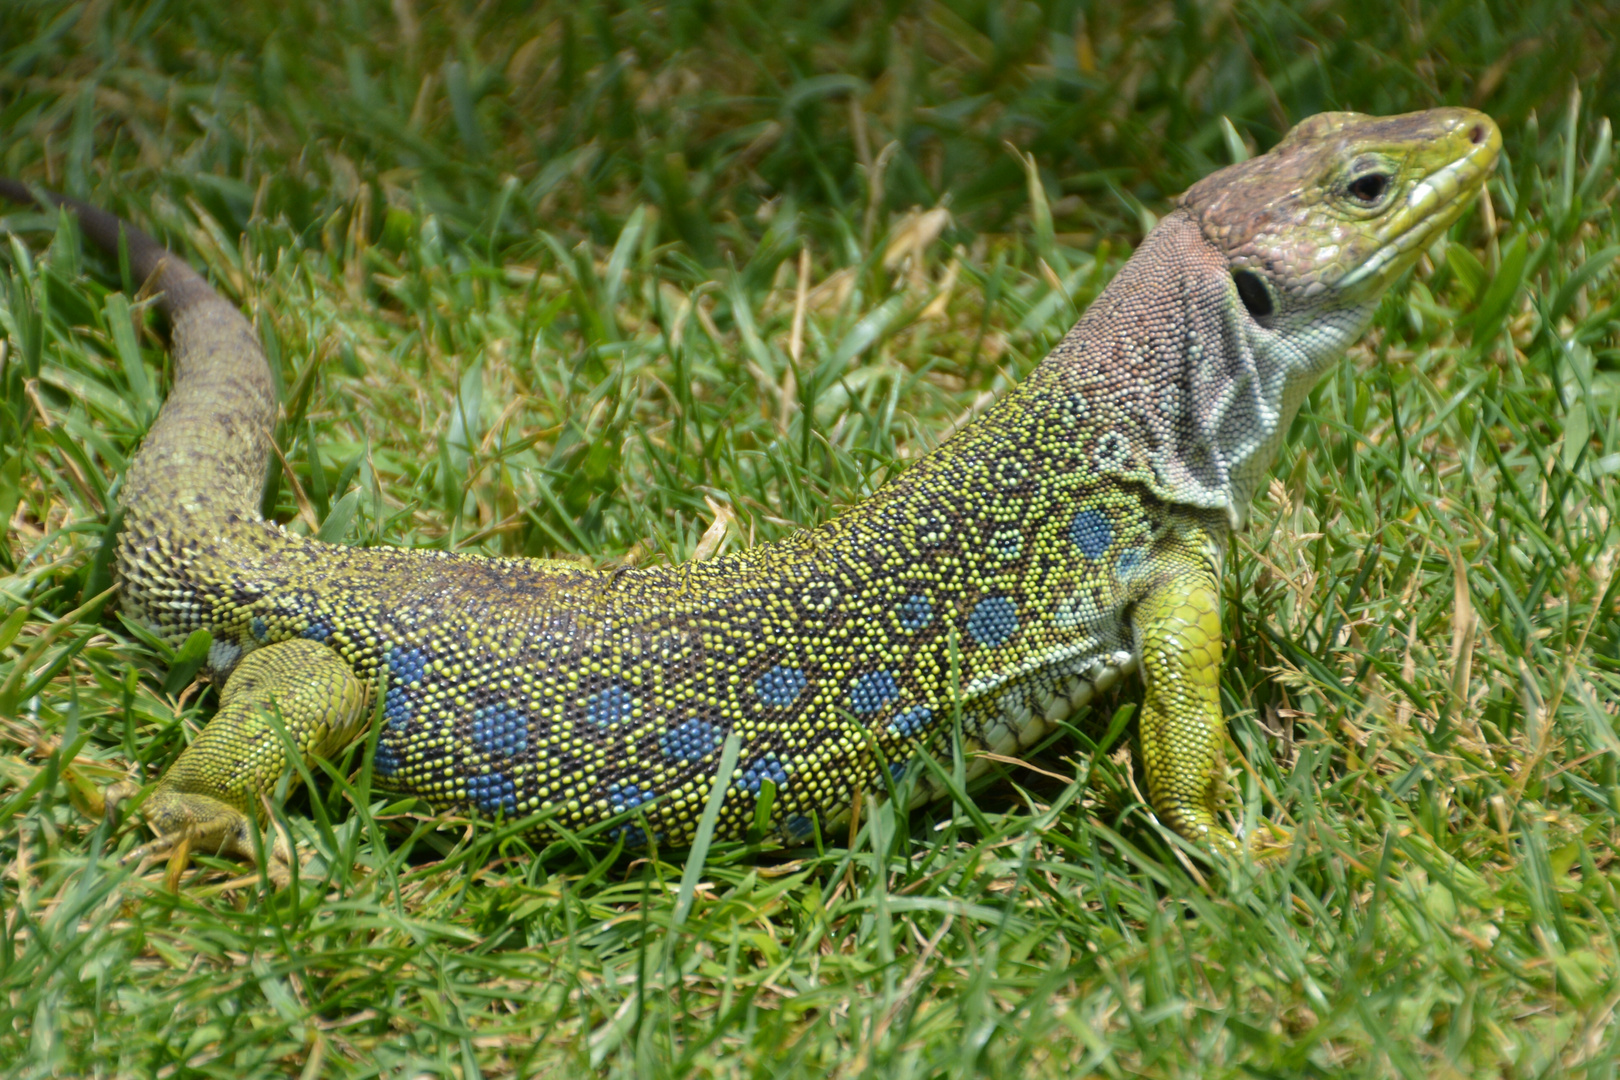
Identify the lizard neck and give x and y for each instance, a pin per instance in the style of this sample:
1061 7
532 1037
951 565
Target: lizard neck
1174 385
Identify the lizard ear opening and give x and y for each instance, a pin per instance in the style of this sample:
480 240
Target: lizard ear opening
1254 294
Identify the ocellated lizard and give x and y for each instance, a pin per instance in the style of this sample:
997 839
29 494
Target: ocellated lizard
1071 534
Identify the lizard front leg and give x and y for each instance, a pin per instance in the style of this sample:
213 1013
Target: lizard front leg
211 795
1178 634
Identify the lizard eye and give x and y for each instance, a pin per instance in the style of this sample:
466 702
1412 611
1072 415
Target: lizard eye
1254 294
1368 188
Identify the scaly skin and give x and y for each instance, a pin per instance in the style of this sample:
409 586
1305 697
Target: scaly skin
1070 535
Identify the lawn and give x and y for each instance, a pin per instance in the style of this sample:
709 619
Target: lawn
630 285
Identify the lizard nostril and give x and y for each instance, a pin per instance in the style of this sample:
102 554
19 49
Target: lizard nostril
1476 134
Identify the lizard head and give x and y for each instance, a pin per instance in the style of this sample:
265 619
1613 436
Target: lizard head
1340 208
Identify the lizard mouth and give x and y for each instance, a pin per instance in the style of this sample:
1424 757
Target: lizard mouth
1434 202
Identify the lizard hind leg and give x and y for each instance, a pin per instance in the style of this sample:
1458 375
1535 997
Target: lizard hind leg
210 797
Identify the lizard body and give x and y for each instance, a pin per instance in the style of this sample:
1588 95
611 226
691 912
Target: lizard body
1072 534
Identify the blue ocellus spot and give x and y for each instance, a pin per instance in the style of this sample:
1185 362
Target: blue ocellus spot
500 729
916 611
396 708
627 796
319 630
766 767
690 741
493 793
1091 533
406 665
872 691
634 835
913 722
386 761
608 707
897 771
780 686
798 826
257 628
993 620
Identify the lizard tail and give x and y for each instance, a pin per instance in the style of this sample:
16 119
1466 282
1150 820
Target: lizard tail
149 260
207 452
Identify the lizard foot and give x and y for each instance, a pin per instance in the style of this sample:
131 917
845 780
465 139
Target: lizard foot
1266 846
1269 844
189 821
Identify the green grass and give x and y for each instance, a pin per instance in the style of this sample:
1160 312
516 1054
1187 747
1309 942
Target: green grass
531 284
